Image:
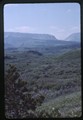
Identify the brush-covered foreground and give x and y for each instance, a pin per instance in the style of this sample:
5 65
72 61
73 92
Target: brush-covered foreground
53 84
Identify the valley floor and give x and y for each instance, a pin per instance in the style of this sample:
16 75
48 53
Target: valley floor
58 78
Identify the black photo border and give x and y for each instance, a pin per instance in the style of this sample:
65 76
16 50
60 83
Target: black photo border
2 3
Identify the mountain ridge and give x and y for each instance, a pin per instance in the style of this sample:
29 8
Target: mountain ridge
30 40
73 37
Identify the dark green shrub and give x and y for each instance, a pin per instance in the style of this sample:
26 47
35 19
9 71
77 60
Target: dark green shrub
18 99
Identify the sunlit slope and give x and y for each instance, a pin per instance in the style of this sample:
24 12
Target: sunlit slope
64 90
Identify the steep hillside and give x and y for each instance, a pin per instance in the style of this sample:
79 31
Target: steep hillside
51 69
58 78
44 43
74 37
29 40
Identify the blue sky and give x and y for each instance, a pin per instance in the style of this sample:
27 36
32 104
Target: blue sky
58 19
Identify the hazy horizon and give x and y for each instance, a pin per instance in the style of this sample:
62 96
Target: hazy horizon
44 34
57 19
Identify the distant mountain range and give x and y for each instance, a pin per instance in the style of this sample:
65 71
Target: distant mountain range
44 43
74 37
16 40
26 39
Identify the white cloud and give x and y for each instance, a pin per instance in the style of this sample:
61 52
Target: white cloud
75 28
23 29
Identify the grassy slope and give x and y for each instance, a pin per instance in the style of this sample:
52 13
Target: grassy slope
69 105
58 77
